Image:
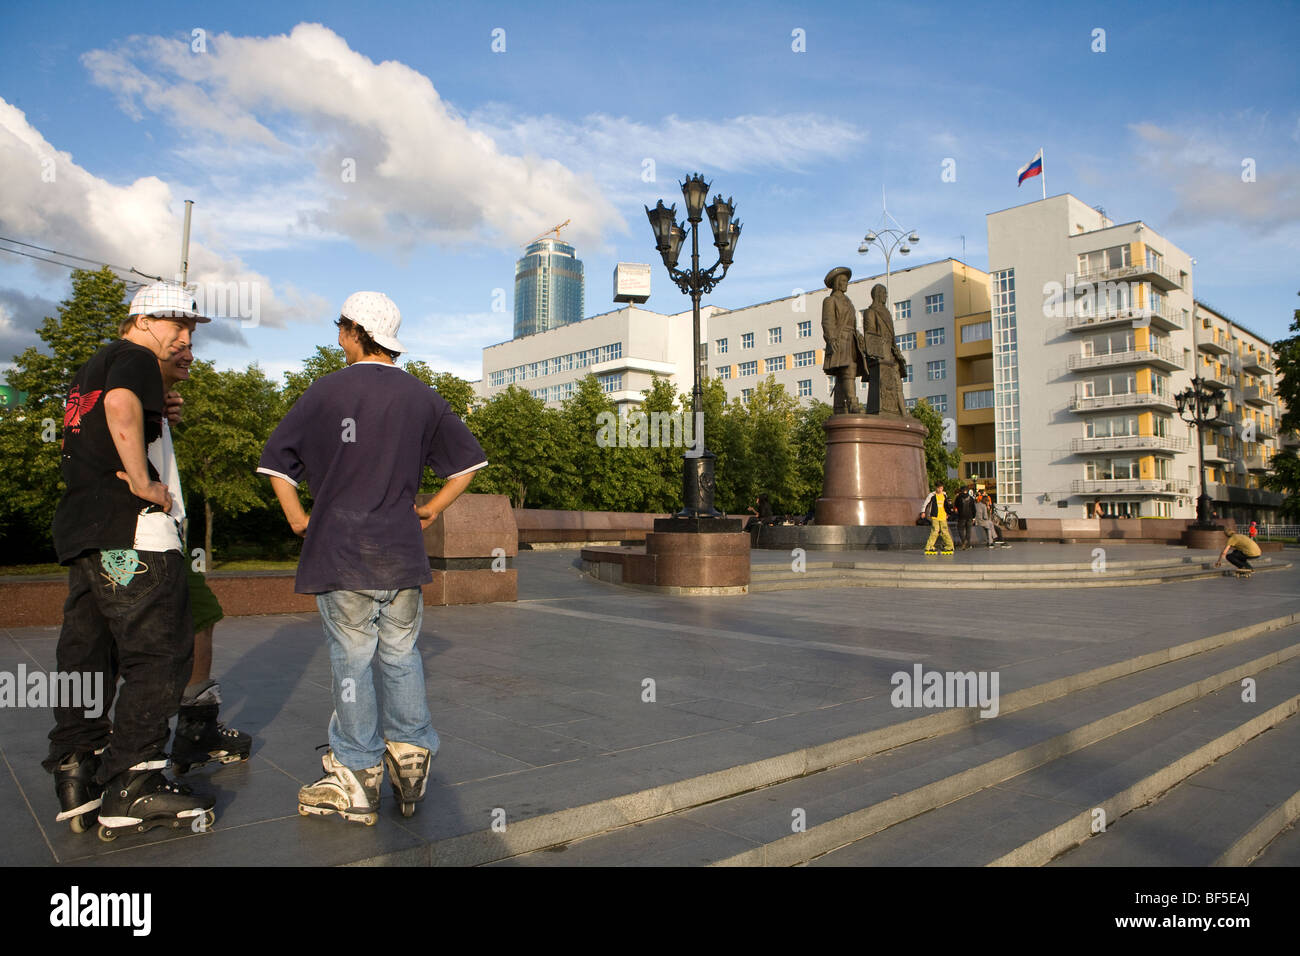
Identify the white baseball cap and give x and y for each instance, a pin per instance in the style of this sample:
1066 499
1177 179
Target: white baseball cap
166 300
378 315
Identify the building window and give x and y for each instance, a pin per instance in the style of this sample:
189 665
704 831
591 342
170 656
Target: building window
906 342
933 337
610 352
724 372
903 310
802 359
611 383
983 398
977 331
935 371
938 402
775 364
1006 384
1115 257
532 369
907 377
934 303
910 403
748 368
774 336
805 388
980 469
747 340
805 329
721 347
497 378
746 394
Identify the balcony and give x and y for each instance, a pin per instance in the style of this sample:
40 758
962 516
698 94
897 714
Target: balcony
1162 277
1212 377
1256 364
1214 346
1257 463
1160 356
1212 453
1126 400
1130 486
1084 446
1167 318
1255 395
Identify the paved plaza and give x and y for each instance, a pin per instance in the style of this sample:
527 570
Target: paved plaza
584 693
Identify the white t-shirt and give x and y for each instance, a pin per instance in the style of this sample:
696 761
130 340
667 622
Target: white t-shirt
156 531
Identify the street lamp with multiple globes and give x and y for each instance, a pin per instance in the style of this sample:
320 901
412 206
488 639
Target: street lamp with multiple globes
889 240
697 465
1199 405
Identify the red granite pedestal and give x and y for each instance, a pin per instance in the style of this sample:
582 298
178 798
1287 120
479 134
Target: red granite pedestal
875 471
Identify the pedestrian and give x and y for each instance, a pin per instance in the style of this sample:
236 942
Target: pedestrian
1238 549
990 525
118 528
965 515
1254 530
761 511
200 737
362 437
935 508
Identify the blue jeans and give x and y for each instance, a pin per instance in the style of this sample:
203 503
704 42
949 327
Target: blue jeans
357 623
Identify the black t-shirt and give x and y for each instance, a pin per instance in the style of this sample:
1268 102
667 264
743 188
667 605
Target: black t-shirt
98 511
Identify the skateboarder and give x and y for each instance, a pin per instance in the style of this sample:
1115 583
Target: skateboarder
1237 550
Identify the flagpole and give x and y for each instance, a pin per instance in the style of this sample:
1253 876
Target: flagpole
1043 160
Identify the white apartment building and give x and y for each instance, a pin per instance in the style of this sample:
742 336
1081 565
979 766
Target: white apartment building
1092 338
625 349
1239 450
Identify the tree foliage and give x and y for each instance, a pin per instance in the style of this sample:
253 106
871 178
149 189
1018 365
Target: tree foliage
1284 471
939 458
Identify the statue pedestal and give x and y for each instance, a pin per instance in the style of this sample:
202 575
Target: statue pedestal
875 471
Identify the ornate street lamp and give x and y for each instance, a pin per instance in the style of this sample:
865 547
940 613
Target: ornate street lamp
889 239
1199 405
697 466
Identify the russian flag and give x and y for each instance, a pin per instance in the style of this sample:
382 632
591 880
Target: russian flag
1032 168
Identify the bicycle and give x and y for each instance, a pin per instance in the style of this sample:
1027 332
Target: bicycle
1005 517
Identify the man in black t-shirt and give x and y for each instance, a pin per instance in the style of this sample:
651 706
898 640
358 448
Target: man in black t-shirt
362 437
117 528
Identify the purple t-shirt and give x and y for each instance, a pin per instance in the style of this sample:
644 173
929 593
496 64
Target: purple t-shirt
361 437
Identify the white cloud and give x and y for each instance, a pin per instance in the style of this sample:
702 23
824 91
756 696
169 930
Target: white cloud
1204 168
421 174
47 197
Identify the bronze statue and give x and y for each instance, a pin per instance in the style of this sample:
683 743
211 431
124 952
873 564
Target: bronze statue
846 357
886 364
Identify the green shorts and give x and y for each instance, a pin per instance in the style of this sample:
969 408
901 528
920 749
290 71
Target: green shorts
204 607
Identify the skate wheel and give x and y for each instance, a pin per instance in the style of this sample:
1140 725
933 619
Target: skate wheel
82 823
408 809
370 819
107 835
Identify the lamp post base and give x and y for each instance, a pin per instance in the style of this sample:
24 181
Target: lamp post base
698 486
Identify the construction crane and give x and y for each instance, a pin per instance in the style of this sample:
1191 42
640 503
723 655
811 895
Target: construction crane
553 229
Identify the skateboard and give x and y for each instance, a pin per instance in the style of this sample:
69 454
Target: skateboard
1238 573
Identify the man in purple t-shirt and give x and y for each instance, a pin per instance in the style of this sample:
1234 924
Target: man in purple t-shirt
362 437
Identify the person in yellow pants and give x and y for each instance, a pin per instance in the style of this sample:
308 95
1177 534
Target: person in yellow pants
936 509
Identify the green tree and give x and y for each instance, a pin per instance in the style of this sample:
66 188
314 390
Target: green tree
520 436
939 459
457 392
1284 471
810 454
228 418
657 471
770 419
600 471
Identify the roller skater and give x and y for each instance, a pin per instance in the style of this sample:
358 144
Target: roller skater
408 771
363 552
141 798
201 738
353 795
79 795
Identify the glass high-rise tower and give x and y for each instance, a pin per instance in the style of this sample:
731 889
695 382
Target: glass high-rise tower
549 289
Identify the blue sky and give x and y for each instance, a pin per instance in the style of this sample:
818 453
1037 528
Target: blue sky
462 154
